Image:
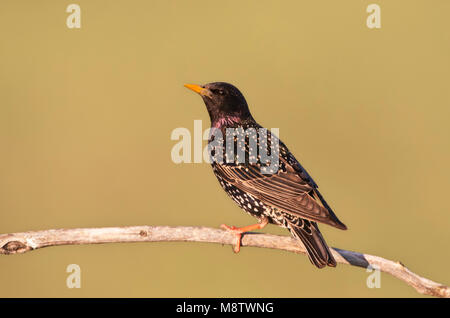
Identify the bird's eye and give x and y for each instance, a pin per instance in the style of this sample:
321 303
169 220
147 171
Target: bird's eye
221 92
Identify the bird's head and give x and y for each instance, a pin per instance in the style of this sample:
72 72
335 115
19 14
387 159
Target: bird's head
223 101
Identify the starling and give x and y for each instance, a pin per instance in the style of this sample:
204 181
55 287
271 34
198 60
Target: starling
285 196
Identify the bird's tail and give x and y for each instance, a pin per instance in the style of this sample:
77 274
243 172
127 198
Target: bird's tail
318 251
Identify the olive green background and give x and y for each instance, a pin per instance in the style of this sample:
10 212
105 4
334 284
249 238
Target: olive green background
86 117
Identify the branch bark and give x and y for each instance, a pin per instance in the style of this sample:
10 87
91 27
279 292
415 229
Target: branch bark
18 243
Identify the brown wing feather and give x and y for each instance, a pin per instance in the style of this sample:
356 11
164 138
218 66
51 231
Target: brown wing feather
284 190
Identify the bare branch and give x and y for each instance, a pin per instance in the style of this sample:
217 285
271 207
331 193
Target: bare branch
18 243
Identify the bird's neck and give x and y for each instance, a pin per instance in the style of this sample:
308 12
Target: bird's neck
226 121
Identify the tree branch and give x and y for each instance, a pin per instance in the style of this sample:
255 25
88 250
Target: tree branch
18 243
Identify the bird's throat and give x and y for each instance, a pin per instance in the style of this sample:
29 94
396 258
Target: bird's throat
228 121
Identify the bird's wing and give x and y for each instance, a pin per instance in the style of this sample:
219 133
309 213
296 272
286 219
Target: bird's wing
285 190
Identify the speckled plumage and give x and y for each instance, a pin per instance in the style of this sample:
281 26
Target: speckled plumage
287 197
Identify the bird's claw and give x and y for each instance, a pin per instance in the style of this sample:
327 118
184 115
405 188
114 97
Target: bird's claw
235 231
228 228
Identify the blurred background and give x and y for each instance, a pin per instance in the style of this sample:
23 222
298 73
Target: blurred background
86 117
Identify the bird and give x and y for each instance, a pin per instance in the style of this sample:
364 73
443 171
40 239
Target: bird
287 197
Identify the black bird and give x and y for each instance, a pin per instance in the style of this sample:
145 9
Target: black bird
288 197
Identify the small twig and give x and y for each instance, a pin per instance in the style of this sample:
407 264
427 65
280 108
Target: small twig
18 243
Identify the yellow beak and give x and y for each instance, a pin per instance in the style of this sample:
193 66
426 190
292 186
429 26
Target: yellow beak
198 89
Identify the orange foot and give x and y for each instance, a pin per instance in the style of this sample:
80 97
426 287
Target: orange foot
238 231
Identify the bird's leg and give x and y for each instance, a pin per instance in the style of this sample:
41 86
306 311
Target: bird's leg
238 231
